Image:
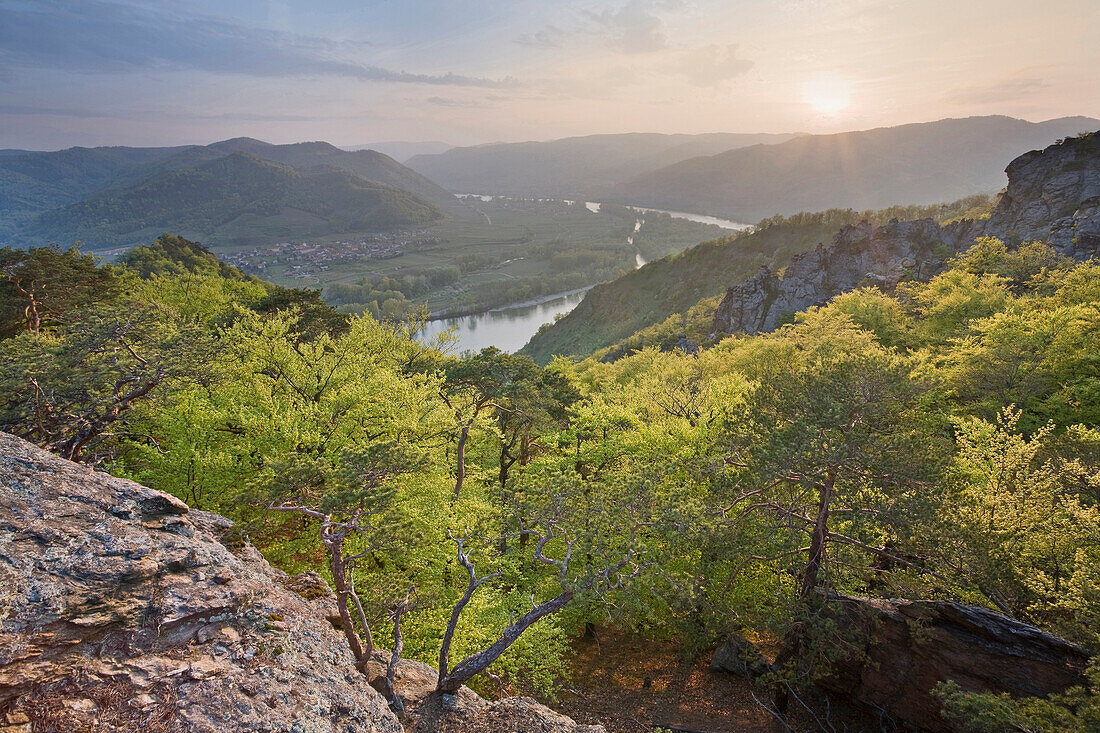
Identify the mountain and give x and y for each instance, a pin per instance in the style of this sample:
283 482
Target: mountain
44 194
570 167
33 181
401 150
911 164
1053 196
236 198
312 156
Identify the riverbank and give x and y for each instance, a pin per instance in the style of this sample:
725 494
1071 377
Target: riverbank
507 329
463 313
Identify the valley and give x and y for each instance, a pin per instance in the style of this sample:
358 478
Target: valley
603 366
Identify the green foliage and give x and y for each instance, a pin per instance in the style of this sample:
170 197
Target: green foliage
1076 709
943 442
39 286
615 312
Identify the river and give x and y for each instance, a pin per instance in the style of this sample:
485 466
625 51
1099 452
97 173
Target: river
510 327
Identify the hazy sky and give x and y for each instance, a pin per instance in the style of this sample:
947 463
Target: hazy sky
85 72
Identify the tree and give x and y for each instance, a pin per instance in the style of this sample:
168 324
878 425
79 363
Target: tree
40 285
599 580
829 442
519 396
72 389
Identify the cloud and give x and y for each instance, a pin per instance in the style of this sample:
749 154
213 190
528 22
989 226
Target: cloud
998 92
634 27
109 37
448 102
549 37
711 65
11 110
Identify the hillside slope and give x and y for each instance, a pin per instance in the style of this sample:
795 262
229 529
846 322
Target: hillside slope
911 164
616 310
33 181
234 199
570 167
1053 195
44 194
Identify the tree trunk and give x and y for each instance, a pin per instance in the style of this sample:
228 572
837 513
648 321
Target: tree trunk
480 661
812 571
460 473
339 579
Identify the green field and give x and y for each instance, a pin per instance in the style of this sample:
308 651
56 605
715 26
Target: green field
483 255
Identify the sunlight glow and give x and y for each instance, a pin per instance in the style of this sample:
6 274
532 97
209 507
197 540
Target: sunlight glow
827 94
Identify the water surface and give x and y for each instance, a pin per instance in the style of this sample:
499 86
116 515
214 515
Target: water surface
508 329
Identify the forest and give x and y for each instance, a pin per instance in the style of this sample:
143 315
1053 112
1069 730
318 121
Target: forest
941 441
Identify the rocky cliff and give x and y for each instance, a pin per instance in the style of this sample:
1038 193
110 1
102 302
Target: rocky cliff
903 649
120 608
1052 195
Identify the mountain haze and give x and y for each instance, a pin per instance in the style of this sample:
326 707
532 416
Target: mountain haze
570 167
237 190
235 199
921 163
401 150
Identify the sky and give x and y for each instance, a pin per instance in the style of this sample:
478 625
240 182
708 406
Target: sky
168 72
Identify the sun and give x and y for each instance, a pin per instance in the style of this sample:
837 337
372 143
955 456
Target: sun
827 94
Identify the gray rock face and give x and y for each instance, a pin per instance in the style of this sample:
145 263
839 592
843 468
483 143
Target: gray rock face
1052 195
120 608
903 649
859 255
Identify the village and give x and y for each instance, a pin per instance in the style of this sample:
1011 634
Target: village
307 260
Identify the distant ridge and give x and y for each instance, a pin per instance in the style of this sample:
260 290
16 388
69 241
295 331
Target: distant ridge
919 163
235 190
573 166
400 150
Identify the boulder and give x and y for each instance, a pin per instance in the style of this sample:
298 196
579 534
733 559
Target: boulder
903 649
739 656
120 608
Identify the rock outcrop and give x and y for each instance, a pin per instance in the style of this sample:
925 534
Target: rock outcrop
739 656
121 608
1052 195
859 255
903 649
466 712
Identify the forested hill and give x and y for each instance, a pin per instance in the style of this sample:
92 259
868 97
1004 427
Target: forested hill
35 188
308 156
614 311
920 163
572 167
233 199
36 181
